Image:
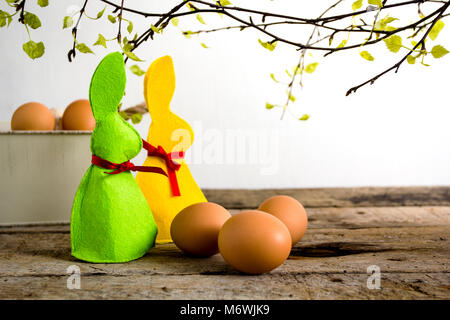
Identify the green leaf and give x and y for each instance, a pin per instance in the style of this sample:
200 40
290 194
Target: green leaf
112 19
383 23
296 70
124 115
127 46
310 68
34 50
342 44
224 3
200 18
204 45
4 17
434 32
366 55
390 28
269 106
83 48
136 70
411 59
136 118
273 78
100 14
291 97
68 22
101 41
42 3
31 20
330 40
187 34
132 56
439 51
269 46
357 4
378 3
175 21
393 43
155 29
304 117
130 27
386 20
191 6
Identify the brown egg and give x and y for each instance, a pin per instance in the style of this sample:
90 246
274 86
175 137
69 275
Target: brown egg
78 116
196 228
290 212
254 242
33 116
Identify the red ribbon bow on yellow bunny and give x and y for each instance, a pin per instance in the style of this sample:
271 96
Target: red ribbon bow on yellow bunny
172 166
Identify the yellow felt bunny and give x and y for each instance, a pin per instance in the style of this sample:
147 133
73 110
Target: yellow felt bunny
169 137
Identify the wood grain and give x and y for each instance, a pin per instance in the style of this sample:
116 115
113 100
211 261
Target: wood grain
336 197
411 245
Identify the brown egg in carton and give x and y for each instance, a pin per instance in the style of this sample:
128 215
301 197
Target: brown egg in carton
35 116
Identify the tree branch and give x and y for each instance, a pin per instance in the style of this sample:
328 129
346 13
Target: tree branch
72 52
119 33
399 63
320 23
149 33
300 64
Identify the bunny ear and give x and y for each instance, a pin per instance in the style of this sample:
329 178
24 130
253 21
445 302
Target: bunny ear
159 86
107 85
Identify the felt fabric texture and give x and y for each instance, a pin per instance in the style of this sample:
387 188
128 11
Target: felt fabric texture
174 135
111 220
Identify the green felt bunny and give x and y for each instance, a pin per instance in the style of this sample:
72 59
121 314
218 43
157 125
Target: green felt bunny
111 219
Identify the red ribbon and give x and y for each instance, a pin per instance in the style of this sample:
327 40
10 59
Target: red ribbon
172 167
124 166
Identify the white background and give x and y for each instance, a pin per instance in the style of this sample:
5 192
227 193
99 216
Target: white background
395 132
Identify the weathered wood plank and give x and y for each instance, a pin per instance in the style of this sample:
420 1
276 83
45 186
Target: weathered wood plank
358 217
337 197
310 198
321 251
269 286
328 263
375 217
411 245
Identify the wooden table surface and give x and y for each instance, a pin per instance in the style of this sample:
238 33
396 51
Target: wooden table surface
403 231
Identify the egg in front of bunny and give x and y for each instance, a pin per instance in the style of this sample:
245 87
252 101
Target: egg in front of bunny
254 242
195 229
290 211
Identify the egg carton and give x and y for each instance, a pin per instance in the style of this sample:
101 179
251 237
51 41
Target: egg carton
40 174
